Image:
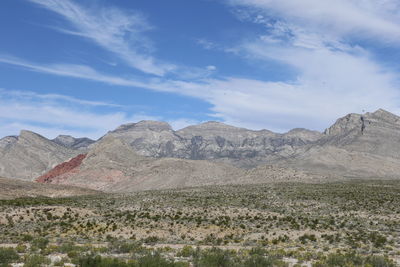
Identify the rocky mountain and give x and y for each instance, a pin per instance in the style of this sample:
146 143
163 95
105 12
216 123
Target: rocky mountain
213 141
28 155
357 145
114 166
73 143
13 188
377 133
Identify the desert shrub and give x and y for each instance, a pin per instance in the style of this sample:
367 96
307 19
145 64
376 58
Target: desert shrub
67 247
151 240
379 261
156 260
262 261
98 261
377 239
7 256
40 243
27 238
21 248
307 237
215 257
126 247
148 260
351 259
186 251
35 261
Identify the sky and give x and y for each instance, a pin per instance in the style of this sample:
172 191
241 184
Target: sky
85 67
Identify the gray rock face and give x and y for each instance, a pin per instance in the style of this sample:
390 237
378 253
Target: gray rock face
113 166
376 133
29 155
73 143
357 145
361 145
7 141
212 141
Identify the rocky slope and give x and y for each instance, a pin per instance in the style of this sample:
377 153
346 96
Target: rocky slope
73 143
213 141
28 155
13 188
357 145
114 166
376 133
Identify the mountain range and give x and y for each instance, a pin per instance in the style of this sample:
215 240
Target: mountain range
151 155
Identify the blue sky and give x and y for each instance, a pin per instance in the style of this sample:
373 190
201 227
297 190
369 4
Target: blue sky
85 67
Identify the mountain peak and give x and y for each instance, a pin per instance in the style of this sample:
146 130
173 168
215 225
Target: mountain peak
345 124
381 112
157 126
26 135
64 139
8 141
385 115
211 126
72 142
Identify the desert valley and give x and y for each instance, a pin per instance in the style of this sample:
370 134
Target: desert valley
207 195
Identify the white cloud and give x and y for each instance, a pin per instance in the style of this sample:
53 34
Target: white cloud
333 76
378 19
71 70
52 115
206 44
27 95
182 123
118 31
211 68
330 84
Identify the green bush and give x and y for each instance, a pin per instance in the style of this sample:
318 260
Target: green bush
148 260
98 261
262 261
7 256
35 261
158 261
27 238
351 259
186 251
379 261
126 247
215 257
40 243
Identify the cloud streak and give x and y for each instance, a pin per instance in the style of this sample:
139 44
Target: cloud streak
333 76
54 114
117 31
350 18
322 92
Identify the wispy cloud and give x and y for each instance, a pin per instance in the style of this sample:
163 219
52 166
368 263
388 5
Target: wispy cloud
118 31
52 115
71 70
66 114
350 18
323 91
334 76
55 97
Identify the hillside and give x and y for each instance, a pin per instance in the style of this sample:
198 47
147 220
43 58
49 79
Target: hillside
113 166
357 145
12 188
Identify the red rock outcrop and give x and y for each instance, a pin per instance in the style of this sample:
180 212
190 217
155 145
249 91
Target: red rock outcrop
61 169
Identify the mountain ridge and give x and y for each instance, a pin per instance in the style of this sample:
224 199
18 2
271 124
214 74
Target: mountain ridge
365 145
